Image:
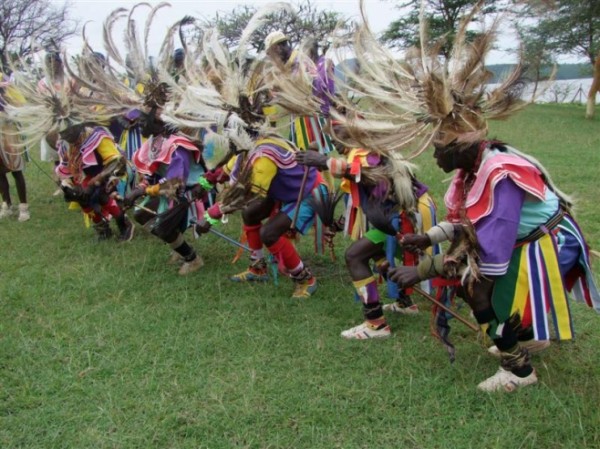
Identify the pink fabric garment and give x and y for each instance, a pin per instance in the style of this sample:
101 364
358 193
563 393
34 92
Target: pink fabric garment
494 168
91 143
159 150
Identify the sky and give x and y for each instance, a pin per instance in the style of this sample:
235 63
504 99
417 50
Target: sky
380 14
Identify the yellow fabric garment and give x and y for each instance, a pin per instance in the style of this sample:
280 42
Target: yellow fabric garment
264 169
228 167
522 289
361 154
108 151
426 208
263 172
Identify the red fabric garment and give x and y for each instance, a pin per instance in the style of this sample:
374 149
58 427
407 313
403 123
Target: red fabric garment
285 253
253 236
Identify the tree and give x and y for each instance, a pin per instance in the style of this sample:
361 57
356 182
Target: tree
443 18
536 53
573 27
306 21
24 21
594 89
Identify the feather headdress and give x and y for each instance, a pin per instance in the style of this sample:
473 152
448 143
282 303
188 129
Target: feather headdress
293 84
48 105
406 105
225 90
142 87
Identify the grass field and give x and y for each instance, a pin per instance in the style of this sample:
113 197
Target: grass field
105 346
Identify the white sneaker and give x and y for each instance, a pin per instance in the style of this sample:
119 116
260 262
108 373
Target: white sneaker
532 346
394 307
5 211
504 380
24 212
365 330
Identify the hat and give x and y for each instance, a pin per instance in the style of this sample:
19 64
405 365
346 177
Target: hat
274 38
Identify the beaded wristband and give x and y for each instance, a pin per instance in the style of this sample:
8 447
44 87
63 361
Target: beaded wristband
431 266
153 190
205 184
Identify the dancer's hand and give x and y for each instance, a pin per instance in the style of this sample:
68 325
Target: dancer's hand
404 276
202 227
329 234
415 242
383 269
198 192
216 176
132 197
312 159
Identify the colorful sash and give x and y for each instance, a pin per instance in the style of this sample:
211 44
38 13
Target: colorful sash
533 287
309 129
579 280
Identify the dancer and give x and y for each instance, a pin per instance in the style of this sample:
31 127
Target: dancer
374 184
168 156
90 168
501 204
12 158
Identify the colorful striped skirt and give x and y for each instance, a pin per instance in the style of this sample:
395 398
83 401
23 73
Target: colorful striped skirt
533 287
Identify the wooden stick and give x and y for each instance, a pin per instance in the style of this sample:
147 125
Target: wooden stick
443 307
145 209
300 197
211 230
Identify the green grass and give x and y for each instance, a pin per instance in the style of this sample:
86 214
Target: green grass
104 346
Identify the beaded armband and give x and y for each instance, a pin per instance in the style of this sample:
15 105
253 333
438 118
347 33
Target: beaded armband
153 190
440 233
205 184
431 266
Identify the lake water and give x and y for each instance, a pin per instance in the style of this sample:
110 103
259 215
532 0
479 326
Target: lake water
561 91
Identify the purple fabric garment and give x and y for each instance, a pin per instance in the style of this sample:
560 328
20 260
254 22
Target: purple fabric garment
373 159
180 164
569 253
378 192
133 114
368 294
420 188
286 184
497 232
323 84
